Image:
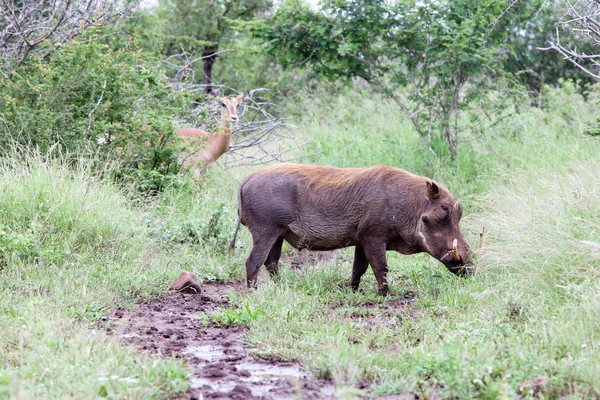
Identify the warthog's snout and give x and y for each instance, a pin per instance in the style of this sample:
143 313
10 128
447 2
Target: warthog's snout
458 260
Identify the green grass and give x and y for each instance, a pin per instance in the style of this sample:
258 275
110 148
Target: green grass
71 250
531 310
73 247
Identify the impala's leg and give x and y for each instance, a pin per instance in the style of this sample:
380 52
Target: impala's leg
258 256
202 171
359 268
272 262
375 253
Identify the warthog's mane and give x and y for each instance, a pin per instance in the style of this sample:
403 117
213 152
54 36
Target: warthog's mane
324 176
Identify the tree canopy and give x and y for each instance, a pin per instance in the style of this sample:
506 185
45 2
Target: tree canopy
446 52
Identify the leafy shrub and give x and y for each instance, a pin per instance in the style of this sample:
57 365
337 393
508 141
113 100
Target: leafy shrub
89 98
233 316
215 233
14 244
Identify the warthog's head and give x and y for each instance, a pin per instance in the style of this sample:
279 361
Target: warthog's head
438 231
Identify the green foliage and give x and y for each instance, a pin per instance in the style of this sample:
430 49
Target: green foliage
89 98
194 25
247 66
215 233
446 52
20 245
234 316
201 28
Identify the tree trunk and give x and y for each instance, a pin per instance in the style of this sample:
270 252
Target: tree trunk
209 60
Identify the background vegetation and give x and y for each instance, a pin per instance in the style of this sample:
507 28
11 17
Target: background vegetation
456 91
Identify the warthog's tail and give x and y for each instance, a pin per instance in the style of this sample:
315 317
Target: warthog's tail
231 249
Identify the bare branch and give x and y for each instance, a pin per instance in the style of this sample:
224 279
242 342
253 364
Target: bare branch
572 57
28 26
581 19
262 136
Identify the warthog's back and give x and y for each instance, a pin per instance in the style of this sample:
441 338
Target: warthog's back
322 207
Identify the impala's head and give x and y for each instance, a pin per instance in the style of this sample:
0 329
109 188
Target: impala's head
229 107
438 231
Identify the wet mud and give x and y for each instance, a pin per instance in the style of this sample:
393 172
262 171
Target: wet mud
221 367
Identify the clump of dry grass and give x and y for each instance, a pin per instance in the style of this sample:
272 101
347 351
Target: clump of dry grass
544 226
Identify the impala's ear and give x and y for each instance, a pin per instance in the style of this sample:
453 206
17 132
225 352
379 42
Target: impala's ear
240 98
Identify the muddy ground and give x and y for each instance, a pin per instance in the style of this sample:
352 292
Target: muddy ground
221 366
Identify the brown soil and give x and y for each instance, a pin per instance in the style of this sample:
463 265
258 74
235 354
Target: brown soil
390 313
223 367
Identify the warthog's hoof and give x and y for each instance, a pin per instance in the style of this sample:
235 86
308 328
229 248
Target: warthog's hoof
186 283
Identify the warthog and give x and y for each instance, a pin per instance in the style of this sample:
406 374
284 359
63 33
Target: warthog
374 209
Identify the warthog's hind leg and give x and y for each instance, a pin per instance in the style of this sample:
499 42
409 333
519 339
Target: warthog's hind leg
359 267
272 262
261 246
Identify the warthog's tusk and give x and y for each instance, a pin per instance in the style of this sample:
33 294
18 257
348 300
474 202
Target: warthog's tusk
455 250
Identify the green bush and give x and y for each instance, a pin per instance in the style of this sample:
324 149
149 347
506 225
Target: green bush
16 244
97 101
216 233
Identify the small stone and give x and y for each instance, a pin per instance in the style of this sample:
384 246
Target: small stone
195 394
186 283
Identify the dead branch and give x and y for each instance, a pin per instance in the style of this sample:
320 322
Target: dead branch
582 20
262 136
33 26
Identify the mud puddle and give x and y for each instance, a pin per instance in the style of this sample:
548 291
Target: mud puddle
222 367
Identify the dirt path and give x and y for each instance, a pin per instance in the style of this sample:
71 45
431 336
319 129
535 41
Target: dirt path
223 367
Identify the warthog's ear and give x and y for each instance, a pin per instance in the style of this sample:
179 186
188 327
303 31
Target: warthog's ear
433 192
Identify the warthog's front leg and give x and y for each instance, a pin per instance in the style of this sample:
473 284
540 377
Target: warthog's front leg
375 253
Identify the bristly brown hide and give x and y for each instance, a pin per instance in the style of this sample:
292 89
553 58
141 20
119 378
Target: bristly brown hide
324 176
375 209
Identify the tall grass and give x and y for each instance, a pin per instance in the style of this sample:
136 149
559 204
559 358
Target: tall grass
532 308
362 129
545 225
72 248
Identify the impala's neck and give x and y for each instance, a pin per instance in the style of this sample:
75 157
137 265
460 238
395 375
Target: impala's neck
226 127
223 137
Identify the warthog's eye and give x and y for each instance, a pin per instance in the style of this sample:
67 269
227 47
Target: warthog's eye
445 208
